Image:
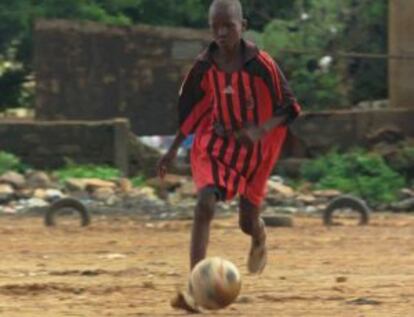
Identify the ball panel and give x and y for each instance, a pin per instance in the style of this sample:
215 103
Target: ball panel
215 283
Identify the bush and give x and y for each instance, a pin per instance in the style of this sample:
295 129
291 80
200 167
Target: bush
72 170
9 162
138 181
358 172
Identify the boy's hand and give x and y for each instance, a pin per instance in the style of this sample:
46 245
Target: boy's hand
250 135
164 162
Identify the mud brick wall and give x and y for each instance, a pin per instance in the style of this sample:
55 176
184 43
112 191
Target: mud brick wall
316 133
89 71
401 71
47 144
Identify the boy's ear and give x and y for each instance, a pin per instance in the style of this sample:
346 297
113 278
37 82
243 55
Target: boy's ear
244 25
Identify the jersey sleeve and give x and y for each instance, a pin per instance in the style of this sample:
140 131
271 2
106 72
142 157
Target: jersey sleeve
286 102
194 102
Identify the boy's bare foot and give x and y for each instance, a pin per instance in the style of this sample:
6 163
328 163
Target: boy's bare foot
183 300
258 253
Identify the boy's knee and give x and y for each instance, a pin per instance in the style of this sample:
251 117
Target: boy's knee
248 216
205 205
245 225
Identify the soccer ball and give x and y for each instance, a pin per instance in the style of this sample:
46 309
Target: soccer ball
214 283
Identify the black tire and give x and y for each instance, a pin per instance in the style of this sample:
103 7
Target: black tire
348 202
67 203
278 221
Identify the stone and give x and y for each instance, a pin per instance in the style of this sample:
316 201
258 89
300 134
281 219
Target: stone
48 194
125 185
327 193
75 184
103 193
89 184
13 178
407 193
307 199
6 193
38 179
341 279
169 183
93 184
278 188
405 205
188 189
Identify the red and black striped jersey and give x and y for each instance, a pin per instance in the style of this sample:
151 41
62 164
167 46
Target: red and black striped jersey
211 98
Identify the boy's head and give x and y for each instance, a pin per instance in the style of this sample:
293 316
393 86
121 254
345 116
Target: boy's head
226 22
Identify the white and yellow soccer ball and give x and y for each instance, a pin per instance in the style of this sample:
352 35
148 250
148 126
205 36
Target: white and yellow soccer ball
214 283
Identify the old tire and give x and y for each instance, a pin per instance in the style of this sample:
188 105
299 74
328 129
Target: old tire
277 221
67 203
347 202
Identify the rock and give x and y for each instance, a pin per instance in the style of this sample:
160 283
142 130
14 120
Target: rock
33 203
282 210
142 157
113 256
112 200
405 205
307 199
8 210
88 184
93 184
310 209
363 301
187 190
388 135
278 188
327 193
48 194
407 193
75 184
341 279
277 179
6 193
15 179
38 179
170 182
142 192
6 189
278 221
103 193
125 185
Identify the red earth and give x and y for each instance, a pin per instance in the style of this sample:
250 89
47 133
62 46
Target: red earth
124 266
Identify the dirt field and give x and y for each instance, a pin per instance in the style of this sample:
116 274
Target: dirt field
121 266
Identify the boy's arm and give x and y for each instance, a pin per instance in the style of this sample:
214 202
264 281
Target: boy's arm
284 112
255 133
167 159
193 106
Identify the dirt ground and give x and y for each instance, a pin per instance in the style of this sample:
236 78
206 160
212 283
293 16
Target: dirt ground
122 266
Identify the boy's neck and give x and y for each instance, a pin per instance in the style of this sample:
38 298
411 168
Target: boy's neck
230 54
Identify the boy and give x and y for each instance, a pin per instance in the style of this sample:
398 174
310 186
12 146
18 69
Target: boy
237 102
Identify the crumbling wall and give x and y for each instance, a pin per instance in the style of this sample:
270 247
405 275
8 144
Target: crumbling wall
44 144
320 131
401 71
89 71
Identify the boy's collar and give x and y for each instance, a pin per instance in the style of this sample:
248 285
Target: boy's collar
250 51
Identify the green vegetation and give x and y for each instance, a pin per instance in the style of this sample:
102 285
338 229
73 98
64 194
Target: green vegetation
358 172
9 162
302 25
72 170
138 181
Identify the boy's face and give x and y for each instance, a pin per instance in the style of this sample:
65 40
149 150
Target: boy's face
227 27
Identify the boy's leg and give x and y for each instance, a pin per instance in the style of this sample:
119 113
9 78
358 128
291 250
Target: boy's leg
252 224
203 214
